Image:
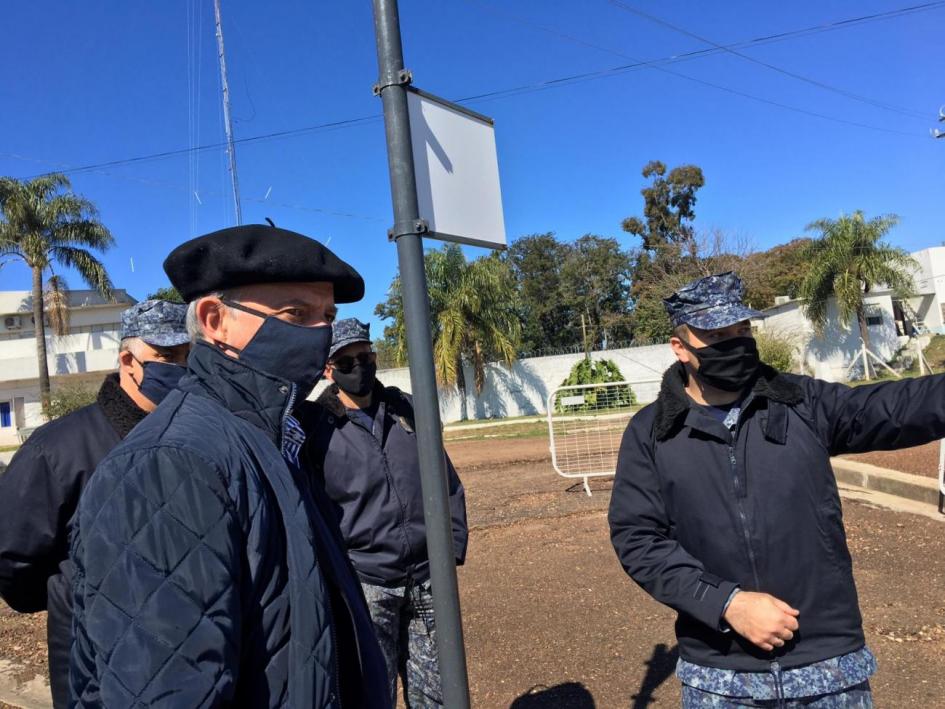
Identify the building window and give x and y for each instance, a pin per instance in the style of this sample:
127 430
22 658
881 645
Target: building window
874 321
5 421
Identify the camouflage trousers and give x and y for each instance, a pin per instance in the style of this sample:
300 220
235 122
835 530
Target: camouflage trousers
858 697
403 620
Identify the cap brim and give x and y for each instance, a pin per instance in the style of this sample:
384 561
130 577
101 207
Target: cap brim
721 316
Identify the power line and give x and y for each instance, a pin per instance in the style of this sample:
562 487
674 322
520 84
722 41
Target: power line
151 182
216 146
659 65
799 77
568 80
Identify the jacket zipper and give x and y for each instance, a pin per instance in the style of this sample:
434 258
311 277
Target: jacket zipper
390 482
336 692
741 508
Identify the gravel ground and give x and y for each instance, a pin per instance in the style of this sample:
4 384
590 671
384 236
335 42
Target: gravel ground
921 460
23 640
551 620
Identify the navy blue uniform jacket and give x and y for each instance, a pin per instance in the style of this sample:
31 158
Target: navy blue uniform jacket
697 510
373 478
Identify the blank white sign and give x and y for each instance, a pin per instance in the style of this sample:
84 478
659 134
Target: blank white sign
457 172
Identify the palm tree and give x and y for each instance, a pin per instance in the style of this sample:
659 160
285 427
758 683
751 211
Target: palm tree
44 224
472 314
846 262
476 318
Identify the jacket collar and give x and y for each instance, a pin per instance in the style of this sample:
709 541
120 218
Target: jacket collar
673 404
122 413
331 401
254 396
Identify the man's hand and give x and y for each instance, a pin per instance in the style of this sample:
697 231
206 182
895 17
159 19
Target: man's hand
762 619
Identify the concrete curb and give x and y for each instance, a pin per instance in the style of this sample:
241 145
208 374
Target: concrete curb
526 420
891 482
33 694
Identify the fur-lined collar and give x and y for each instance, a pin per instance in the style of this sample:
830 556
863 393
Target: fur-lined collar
122 413
331 402
673 402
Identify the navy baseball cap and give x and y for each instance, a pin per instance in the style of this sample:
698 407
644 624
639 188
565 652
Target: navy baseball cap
347 332
710 303
156 322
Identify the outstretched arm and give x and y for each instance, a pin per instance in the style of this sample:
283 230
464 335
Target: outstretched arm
884 416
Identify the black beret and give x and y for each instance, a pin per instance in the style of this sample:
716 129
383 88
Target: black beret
256 253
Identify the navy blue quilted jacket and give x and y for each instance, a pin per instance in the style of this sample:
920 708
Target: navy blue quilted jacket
206 572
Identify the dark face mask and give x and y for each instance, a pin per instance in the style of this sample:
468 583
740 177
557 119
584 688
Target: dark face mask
359 381
730 365
159 379
293 352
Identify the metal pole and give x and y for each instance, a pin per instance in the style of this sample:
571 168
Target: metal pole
407 229
227 123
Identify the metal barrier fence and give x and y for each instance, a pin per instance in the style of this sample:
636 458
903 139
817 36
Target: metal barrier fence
585 425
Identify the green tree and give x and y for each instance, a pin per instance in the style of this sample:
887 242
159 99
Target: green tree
603 371
386 357
595 283
846 261
776 349
473 315
668 206
71 397
168 293
547 316
668 255
44 224
777 271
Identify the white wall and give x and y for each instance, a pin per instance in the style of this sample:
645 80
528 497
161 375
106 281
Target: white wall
828 356
32 410
79 353
524 390
72 354
930 280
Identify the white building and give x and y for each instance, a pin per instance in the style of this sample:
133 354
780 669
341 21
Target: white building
890 322
86 353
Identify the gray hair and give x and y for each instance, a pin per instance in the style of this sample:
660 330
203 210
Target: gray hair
194 328
131 344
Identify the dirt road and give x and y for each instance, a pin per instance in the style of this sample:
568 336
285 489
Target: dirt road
552 621
548 609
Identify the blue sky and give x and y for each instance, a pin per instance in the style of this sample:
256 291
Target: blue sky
100 81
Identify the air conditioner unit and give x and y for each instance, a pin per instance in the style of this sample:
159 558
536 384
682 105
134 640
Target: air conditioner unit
13 322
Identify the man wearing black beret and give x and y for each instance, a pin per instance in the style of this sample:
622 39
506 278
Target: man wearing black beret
208 572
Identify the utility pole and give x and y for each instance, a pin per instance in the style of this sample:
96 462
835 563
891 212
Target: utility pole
407 230
227 123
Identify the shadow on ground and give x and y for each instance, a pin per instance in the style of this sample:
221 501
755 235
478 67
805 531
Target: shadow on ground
569 695
659 668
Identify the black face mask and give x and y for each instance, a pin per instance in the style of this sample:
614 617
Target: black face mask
159 379
294 352
730 365
357 382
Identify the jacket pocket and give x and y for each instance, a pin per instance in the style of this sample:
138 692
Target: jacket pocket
832 534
